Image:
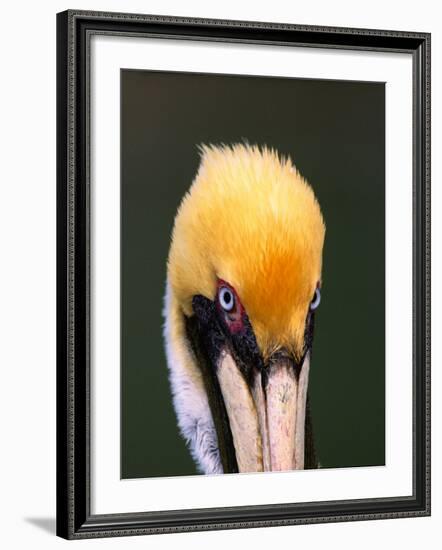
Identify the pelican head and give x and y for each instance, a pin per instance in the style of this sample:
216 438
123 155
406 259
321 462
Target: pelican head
243 284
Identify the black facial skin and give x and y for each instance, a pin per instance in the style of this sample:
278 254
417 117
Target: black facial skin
208 334
207 339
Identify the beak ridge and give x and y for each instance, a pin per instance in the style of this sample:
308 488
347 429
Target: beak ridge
267 417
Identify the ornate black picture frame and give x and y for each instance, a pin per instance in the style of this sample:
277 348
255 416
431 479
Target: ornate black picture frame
74 31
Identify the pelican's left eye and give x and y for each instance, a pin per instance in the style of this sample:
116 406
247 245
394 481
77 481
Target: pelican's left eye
226 298
316 299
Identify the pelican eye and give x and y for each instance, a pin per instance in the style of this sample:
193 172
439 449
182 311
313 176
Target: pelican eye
316 299
226 298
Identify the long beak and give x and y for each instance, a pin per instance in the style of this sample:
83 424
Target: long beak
266 415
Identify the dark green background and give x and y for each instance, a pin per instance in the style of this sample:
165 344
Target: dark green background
334 132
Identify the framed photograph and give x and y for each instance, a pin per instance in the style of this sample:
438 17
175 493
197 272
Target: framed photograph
243 274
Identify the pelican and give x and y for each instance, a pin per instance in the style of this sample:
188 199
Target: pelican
243 286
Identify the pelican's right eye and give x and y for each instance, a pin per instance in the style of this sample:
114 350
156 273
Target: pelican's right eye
226 298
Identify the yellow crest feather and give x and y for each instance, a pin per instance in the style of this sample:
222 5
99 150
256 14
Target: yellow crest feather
252 220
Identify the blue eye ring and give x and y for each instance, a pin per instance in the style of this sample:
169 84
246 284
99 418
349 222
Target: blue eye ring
226 298
316 299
